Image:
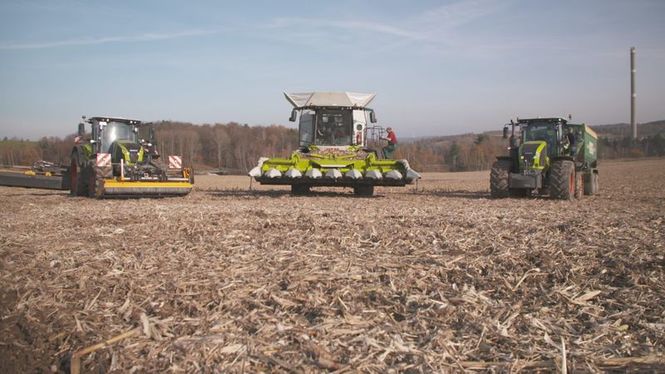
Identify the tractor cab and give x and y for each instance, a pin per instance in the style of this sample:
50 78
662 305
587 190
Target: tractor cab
548 130
540 140
120 138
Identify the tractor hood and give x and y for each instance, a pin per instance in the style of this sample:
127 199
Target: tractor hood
329 99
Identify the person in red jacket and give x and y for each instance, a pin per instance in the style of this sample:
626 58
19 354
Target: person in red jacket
389 150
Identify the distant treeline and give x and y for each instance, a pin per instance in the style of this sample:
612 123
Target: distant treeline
236 148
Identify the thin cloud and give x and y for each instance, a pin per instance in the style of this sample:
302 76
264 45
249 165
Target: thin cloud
106 40
434 26
458 14
376 27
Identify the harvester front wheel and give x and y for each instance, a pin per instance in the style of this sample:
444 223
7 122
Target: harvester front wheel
300 189
78 185
499 187
562 180
363 190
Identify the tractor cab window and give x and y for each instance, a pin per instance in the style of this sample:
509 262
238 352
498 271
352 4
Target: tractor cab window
539 132
115 131
306 128
334 128
542 131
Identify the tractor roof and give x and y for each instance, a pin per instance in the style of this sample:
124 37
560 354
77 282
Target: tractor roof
116 119
329 99
552 120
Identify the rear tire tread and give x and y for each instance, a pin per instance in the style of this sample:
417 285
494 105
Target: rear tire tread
560 180
499 185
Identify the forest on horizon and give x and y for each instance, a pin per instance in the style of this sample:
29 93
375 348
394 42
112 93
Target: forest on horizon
235 148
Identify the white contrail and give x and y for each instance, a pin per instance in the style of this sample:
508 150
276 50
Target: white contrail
106 39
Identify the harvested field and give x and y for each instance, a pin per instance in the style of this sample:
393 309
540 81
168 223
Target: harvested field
434 279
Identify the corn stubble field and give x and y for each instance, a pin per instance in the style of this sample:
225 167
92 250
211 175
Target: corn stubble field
434 279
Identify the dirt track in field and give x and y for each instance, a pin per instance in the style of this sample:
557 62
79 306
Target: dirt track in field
423 278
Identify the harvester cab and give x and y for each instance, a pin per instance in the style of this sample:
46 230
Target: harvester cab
547 156
333 133
113 160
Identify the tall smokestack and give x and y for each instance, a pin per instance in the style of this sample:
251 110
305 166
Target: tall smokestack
633 95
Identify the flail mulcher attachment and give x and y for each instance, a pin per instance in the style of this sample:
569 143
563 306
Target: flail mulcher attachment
333 139
42 175
115 162
138 179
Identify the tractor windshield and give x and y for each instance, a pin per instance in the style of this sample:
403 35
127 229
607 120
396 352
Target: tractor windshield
334 127
545 131
542 131
115 131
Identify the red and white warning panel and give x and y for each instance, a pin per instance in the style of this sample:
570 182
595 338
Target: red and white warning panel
103 159
175 162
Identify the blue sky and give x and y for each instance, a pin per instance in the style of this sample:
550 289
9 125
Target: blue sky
438 67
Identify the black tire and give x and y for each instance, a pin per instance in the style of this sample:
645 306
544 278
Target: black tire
95 182
499 186
78 185
363 190
562 180
300 189
579 185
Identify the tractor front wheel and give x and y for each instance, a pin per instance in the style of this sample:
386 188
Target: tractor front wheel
499 187
562 180
78 185
95 182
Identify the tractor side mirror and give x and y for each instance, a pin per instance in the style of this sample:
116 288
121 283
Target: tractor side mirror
81 131
372 117
294 114
505 132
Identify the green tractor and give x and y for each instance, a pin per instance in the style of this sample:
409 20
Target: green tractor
115 161
549 156
333 132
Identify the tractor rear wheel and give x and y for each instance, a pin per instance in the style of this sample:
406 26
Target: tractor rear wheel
78 185
300 189
363 190
499 179
562 180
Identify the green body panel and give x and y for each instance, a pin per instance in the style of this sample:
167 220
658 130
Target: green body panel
126 157
533 155
87 151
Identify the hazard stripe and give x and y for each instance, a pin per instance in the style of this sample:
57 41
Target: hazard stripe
175 162
103 159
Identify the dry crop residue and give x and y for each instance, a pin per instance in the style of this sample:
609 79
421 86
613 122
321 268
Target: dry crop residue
440 278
